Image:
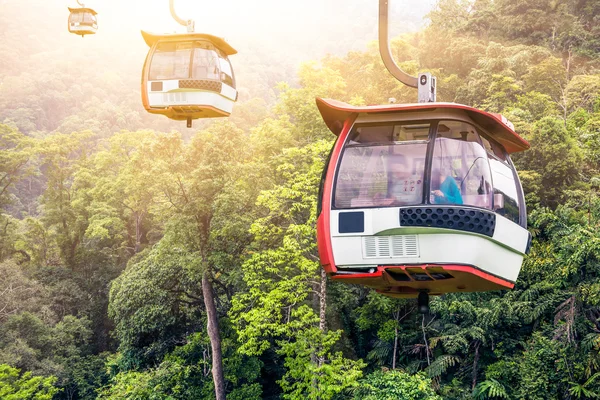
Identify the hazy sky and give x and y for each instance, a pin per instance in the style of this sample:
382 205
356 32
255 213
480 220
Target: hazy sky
248 17
314 26
272 36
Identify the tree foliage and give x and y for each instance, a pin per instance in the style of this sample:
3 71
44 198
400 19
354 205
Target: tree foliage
14 386
136 263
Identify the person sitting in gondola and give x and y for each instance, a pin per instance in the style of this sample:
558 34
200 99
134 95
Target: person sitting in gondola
404 187
448 191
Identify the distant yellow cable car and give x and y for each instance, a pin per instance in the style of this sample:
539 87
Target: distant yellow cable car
82 21
188 76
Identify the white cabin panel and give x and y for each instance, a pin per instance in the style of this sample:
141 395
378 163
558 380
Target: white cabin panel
228 92
511 234
352 252
160 99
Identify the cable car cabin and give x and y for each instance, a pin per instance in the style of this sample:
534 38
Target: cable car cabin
421 198
82 21
188 76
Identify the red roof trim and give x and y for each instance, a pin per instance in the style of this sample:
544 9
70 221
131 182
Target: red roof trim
336 112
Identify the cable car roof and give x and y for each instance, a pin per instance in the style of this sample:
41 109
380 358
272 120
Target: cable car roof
151 39
82 10
335 113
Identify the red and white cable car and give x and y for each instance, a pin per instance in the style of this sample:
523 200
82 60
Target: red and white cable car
421 198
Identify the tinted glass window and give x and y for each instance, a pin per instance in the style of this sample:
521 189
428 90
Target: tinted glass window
506 201
206 62
382 166
322 183
76 17
89 18
460 171
226 72
493 148
171 61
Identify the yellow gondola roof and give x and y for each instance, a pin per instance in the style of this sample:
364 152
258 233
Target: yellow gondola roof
81 10
151 39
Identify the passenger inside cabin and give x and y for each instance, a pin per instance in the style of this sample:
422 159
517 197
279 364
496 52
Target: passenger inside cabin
404 188
446 190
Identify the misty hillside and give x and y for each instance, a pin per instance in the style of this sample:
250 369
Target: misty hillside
54 81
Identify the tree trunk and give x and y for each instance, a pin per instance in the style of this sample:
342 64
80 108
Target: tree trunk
475 361
212 326
397 318
138 233
323 302
425 340
564 90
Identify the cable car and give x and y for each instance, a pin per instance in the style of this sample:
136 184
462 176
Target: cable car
421 199
188 76
82 21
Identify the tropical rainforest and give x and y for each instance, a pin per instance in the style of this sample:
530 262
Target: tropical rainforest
138 262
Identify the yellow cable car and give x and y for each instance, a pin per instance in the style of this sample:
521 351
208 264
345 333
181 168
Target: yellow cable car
188 76
82 21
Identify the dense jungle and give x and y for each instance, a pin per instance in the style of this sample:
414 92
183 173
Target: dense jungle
120 231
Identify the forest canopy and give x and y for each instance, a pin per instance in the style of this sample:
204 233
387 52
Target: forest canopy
121 239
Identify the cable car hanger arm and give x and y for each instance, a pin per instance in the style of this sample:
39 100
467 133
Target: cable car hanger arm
384 48
189 24
425 83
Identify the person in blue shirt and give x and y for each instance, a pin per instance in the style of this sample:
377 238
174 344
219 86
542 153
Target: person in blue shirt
448 192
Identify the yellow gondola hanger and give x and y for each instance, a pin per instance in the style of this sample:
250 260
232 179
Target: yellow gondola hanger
82 20
188 76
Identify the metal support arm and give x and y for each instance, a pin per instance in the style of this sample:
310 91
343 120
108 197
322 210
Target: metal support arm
384 48
425 83
189 24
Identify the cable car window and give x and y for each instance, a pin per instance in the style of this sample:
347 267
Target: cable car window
206 63
460 172
493 148
82 17
382 166
171 61
505 191
226 71
322 182
89 18
76 17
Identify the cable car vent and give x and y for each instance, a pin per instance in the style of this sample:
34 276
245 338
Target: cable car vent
390 246
175 98
455 218
383 246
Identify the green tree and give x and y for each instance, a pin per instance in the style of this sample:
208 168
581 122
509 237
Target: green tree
64 213
16 151
285 284
14 386
388 385
192 198
554 155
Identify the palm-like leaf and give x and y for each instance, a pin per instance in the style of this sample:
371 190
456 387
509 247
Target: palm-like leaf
489 389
